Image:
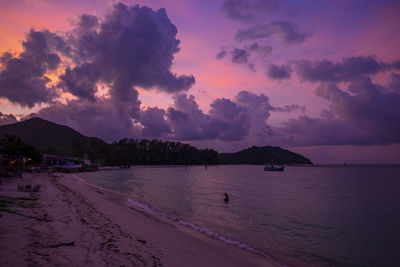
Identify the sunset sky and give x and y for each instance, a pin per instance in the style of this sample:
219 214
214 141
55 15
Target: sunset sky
321 78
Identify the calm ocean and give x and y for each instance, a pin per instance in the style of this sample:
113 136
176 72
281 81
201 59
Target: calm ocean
322 216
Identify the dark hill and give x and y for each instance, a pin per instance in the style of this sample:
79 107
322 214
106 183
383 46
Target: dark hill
48 137
56 139
262 155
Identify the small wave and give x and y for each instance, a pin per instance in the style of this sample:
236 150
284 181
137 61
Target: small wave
141 205
220 237
196 228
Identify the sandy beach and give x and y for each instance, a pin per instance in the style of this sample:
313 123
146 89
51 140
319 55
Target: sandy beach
69 223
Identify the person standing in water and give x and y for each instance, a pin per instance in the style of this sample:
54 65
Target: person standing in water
226 199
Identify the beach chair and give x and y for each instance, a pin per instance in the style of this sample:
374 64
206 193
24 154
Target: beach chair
28 188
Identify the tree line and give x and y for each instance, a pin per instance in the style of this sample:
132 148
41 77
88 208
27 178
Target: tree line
144 152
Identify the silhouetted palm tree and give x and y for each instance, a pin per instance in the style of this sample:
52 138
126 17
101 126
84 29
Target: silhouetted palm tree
11 145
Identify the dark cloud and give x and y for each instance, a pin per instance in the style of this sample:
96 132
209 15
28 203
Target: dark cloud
247 10
396 64
7 118
287 32
250 100
306 131
221 54
364 114
226 121
258 110
87 23
290 108
80 81
235 119
154 123
246 55
393 82
132 45
187 121
241 56
22 77
100 118
237 9
276 72
261 50
225 109
327 71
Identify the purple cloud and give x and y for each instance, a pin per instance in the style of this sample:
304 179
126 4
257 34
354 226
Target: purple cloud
246 55
226 121
132 46
396 64
7 118
221 54
187 121
328 71
100 118
364 114
80 81
287 32
241 56
393 82
22 79
247 10
154 123
261 50
276 72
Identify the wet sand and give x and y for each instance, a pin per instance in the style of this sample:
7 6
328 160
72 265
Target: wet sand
69 223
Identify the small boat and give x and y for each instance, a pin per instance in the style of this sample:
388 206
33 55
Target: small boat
274 168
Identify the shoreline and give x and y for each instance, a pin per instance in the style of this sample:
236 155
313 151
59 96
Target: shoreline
177 222
86 225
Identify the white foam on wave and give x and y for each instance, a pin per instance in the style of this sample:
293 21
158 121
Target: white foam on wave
220 237
141 205
195 227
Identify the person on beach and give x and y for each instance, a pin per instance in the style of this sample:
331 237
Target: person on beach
226 199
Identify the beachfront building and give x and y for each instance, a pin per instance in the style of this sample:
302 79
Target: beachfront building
60 163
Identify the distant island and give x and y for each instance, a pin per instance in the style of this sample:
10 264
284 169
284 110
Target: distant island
55 139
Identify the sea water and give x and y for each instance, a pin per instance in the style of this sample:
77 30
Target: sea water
322 216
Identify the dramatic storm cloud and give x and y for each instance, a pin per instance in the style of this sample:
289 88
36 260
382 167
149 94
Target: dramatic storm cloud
269 72
22 77
132 46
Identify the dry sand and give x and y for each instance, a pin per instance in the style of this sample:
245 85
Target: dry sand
69 223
